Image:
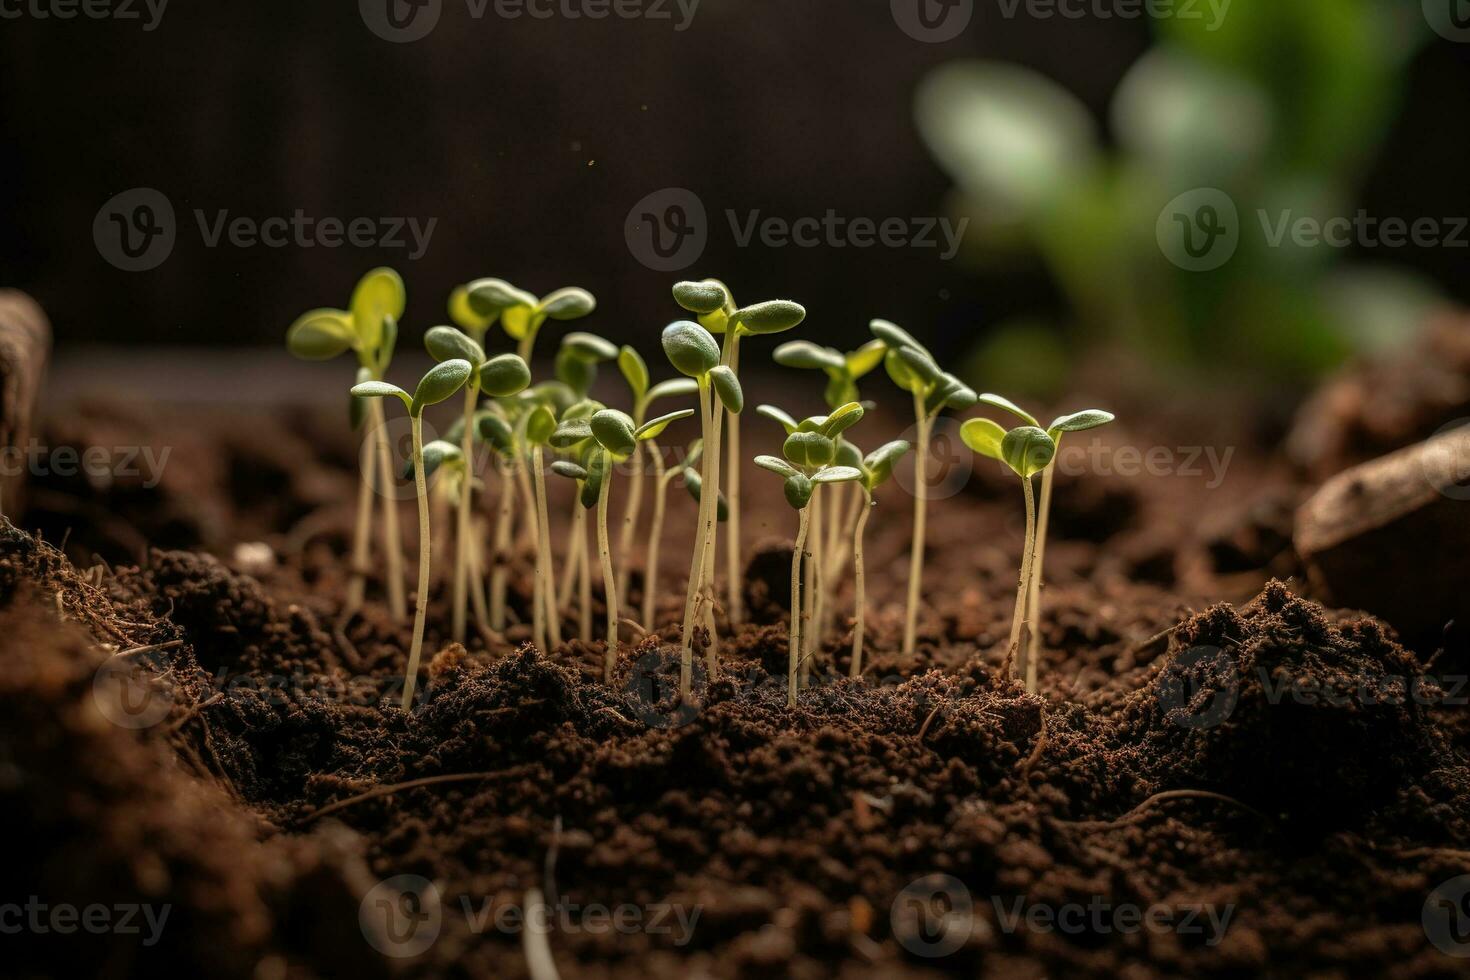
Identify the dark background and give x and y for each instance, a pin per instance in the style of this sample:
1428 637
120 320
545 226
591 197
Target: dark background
530 140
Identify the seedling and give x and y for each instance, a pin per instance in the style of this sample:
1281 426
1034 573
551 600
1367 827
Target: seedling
713 303
805 464
876 468
440 383
1090 418
521 314
1027 450
692 350
635 373
499 377
368 328
914 369
539 426
843 371
687 468
573 437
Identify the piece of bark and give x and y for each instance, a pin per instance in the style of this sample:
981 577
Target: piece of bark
1392 537
25 347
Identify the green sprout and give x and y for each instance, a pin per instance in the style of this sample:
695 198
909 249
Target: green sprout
1090 418
635 372
439 384
521 314
692 350
663 477
806 464
1027 450
876 468
540 425
368 328
573 437
499 377
712 302
914 369
843 371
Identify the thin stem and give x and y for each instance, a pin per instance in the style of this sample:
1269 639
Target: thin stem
793 641
711 539
808 594
500 577
584 582
462 526
421 597
1019 616
361 536
916 549
734 572
818 582
655 537
542 600
392 536
860 597
1033 589
609 580
575 543
477 575
632 509
696 567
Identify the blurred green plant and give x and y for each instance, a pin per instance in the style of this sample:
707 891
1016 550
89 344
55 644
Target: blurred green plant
1281 106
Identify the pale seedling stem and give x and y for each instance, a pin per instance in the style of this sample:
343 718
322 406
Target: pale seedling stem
734 574
916 549
609 579
462 524
662 479
544 600
711 541
392 539
706 498
421 598
584 581
1033 589
1027 557
632 510
860 593
499 575
794 641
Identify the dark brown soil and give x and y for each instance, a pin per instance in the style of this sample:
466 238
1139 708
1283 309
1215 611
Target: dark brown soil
1209 744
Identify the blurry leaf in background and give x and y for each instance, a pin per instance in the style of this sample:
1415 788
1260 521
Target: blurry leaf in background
1278 107
1188 124
1010 137
1330 66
